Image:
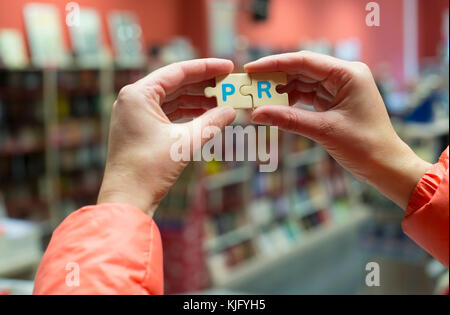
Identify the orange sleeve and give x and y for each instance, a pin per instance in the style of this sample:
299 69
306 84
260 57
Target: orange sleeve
103 249
426 219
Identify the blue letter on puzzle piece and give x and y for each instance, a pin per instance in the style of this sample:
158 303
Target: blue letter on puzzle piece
262 89
227 89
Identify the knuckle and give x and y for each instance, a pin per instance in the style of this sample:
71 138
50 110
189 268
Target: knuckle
127 89
292 120
125 93
302 55
361 70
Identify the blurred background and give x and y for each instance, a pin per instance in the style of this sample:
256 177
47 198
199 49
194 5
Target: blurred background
308 228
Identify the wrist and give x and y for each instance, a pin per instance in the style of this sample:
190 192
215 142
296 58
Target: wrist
397 173
124 188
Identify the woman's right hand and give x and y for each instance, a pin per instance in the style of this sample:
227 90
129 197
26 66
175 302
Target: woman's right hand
350 119
139 168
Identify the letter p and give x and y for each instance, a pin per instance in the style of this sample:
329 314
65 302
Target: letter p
227 89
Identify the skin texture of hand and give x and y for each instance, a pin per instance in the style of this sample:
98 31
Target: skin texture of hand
350 119
139 169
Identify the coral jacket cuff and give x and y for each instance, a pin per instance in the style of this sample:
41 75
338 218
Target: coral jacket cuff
103 249
426 219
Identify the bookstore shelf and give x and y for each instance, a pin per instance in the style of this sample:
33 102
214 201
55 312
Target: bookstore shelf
267 264
247 232
437 128
18 263
305 157
16 287
70 110
23 250
229 177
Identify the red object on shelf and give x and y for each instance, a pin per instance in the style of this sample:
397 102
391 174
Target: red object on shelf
5 292
185 268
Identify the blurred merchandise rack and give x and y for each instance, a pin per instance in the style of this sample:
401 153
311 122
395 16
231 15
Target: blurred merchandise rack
53 130
20 245
240 224
54 126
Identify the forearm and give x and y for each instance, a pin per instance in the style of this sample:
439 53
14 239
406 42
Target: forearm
396 172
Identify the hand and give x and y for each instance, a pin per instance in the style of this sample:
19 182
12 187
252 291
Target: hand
350 119
139 168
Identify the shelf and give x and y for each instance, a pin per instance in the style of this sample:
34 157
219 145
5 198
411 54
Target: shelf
246 232
308 156
264 264
81 192
308 207
16 287
419 131
93 128
229 239
19 247
77 144
25 205
227 178
20 263
21 150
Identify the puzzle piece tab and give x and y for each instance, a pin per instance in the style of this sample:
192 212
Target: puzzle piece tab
227 90
263 89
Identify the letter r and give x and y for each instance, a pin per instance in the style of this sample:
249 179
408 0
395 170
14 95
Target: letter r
227 89
264 86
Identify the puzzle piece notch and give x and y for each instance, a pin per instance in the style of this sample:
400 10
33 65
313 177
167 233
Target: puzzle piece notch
227 91
263 89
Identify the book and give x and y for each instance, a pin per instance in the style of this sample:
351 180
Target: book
42 22
86 39
126 38
12 49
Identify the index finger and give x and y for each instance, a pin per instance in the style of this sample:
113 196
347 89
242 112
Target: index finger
172 77
331 72
306 63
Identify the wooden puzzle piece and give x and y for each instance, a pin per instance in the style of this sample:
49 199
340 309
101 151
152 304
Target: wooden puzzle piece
263 89
227 90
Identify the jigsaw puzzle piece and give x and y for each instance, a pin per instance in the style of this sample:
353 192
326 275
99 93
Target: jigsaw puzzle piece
263 89
227 91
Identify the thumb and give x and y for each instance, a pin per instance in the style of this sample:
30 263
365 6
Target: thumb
304 122
206 126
